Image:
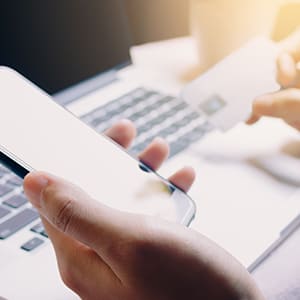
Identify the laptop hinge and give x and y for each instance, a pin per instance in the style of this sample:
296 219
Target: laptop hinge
85 87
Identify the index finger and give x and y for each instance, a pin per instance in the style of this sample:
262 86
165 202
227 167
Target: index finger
284 104
123 133
184 178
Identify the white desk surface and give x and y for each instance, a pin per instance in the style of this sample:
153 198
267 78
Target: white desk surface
240 206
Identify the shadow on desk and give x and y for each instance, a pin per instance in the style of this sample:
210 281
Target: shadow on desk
283 166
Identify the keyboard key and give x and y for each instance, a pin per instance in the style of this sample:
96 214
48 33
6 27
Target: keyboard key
139 92
38 228
139 114
177 147
130 97
5 189
17 222
166 99
167 131
158 120
137 149
16 201
3 170
32 244
140 99
142 145
144 127
93 115
160 102
98 120
15 180
44 233
152 123
122 108
195 134
3 212
183 122
174 110
194 115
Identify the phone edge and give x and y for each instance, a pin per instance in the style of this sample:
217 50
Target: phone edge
13 163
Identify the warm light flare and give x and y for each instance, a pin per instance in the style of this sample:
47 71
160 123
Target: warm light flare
222 26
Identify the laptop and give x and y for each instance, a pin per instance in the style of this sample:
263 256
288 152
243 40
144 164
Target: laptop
79 54
277 271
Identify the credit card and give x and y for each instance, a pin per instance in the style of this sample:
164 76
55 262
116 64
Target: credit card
225 92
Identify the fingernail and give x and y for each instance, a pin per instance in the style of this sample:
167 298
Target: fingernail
34 184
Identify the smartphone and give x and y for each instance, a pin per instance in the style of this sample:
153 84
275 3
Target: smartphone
38 134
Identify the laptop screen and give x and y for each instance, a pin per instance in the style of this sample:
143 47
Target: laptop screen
59 43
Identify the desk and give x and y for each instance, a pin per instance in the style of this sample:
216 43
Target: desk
240 206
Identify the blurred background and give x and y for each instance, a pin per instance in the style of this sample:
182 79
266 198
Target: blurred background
163 19
158 19
287 20
218 26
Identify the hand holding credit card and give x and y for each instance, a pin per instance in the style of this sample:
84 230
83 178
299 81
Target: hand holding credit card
284 104
225 93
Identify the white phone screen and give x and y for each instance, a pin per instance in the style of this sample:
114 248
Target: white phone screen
37 132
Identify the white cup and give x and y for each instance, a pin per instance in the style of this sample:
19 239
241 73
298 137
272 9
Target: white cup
221 26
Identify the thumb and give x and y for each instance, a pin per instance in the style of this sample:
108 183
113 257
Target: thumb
73 212
284 104
287 73
291 44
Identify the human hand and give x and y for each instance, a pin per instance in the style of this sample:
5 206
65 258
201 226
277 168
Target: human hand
106 254
284 104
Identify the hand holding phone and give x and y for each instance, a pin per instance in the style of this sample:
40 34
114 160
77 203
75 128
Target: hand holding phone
103 253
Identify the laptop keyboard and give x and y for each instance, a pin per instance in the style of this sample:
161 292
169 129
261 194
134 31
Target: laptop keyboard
153 113
15 211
